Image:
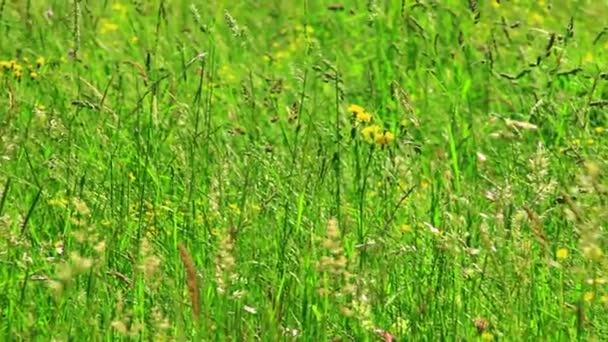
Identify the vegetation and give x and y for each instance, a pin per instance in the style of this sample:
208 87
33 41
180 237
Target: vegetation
276 170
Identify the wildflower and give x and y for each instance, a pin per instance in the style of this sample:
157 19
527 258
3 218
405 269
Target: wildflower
355 109
40 61
562 253
598 130
34 75
370 133
486 336
374 134
385 138
17 73
359 113
5 65
406 228
364 117
588 296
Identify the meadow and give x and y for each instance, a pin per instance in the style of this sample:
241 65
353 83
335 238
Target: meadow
303 171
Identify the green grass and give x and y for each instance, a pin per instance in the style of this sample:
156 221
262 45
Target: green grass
192 171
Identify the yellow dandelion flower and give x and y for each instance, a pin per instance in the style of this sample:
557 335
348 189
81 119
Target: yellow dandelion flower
17 73
371 133
486 336
364 117
34 75
5 64
40 62
16 67
355 109
385 138
599 130
588 296
562 253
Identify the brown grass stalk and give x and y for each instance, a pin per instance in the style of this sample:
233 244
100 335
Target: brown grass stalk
191 279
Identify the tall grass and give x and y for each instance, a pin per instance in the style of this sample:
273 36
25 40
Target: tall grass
302 171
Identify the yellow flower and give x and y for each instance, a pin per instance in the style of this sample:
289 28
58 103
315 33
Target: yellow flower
40 62
360 114
588 296
364 117
562 253
34 75
371 133
17 73
16 67
486 336
385 138
599 130
355 109
5 65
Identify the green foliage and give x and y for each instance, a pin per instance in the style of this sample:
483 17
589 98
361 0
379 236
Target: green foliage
208 171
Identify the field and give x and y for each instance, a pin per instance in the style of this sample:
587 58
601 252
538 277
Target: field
303 171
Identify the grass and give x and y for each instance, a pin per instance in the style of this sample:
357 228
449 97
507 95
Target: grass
296 171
